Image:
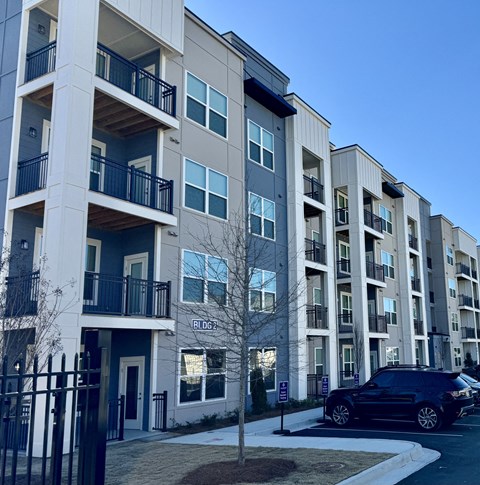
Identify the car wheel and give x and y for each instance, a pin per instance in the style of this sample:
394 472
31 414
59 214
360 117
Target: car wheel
342 414
428 418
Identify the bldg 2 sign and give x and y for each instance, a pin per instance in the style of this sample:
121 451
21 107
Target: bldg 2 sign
204 324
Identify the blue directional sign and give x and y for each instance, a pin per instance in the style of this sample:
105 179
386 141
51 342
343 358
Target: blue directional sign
283 391
356 380
325 385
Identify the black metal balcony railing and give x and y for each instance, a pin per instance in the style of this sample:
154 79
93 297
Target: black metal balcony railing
415 282
375 271
418 326
315 251
343 268
465 300
128 183
313 188
126 296
41 61
22 294
131 78
413 241
463 269
317 317
468 332
372 220
341 216
32 174
377 323
345 322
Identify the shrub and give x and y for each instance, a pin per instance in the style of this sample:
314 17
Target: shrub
258 392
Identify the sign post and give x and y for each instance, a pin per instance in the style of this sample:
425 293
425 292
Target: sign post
282 399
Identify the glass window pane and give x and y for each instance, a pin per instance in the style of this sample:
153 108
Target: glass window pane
215 387
269 229
217 292
268 209
269 302
268 140
217 206
195 174
218 102
193 264
255 300
268 159
256 279
191 362
255 225
255 204
193 290
269 280
190 389
196 111
218 124
196 88
215 361
91 258
255 358
254 133
254 152
194 198
217 183
217 269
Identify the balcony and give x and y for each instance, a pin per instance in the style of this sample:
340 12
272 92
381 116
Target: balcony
315 251
465 300
132 79
127 183
372 220
22 295
462 269
317 317
413 242
126 296
468 332
343 268
313 188
341 217
41 61
418 326
32 174
377 323
415 284
375 271
345 322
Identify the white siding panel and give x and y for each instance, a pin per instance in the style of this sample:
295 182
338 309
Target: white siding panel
411 203
464 242
369 175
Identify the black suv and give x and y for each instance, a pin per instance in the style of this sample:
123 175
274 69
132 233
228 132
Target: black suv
425 395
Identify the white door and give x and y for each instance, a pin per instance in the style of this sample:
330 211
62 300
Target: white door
139 186
97 169
135 266
147 87
132 371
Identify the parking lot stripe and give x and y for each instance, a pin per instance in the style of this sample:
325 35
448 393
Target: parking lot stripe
400 432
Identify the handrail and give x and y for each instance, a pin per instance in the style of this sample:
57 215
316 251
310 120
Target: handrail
40 61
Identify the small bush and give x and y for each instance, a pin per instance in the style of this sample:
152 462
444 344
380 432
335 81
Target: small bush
209 419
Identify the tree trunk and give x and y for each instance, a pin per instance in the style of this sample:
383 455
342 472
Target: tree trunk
241 406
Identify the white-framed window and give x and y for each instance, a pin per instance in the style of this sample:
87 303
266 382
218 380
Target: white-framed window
449 254
204 278
342 208
392 356
390 309
260 145
264 359
205 190
262 216
346 308
343 257
452 288
457 356
388 264
263 290
348 362
319 360
387 220
92 268
206 106
455 322
202 375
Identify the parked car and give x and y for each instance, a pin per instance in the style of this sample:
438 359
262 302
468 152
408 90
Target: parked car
425 395
475 385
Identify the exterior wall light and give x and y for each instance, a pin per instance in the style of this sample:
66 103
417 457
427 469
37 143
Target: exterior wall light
24 244
32 132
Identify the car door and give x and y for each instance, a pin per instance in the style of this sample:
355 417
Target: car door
374 398
408 385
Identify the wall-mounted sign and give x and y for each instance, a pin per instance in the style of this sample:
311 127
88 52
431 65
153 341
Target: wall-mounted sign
204 325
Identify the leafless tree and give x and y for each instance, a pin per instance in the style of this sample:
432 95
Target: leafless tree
358 346
242 281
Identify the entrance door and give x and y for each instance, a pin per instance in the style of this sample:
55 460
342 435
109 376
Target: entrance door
139 186
132 370
135 268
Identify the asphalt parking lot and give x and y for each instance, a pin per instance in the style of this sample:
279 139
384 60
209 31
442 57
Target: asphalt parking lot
458 445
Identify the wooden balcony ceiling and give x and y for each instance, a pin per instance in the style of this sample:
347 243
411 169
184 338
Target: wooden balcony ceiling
109 219
43 96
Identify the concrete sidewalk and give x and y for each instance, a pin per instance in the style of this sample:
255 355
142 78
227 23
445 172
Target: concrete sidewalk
409 456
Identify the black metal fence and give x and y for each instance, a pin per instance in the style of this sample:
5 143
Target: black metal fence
317 316
372 220
313 188
314 386
160 407
41 61
375 271
315 251
32 174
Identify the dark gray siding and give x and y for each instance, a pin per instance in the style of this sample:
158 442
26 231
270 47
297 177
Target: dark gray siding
36 40
32 117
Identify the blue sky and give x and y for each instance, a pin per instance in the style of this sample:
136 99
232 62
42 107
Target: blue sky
399 77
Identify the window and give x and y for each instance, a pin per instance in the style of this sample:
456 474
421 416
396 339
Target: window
346 308
262 216
319 360
202 375
263 290
206 105
92 268
386 216
266 361
457 356
342 209
204 278
393 356
205 190
388 264
449 253
348 364
260 145
344 257
455 322
390 308
452 288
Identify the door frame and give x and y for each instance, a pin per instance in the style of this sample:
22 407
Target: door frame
123 364
130 258
103 150
147 161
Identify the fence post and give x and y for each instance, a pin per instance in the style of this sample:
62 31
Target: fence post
121 429
164 411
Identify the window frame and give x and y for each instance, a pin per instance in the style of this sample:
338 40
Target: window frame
203 375
449 255
263 291
457 356
263 366
388 269
393 320
455 322
262 216
207 105
396 356
386 216
206 190
452 288
261 146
